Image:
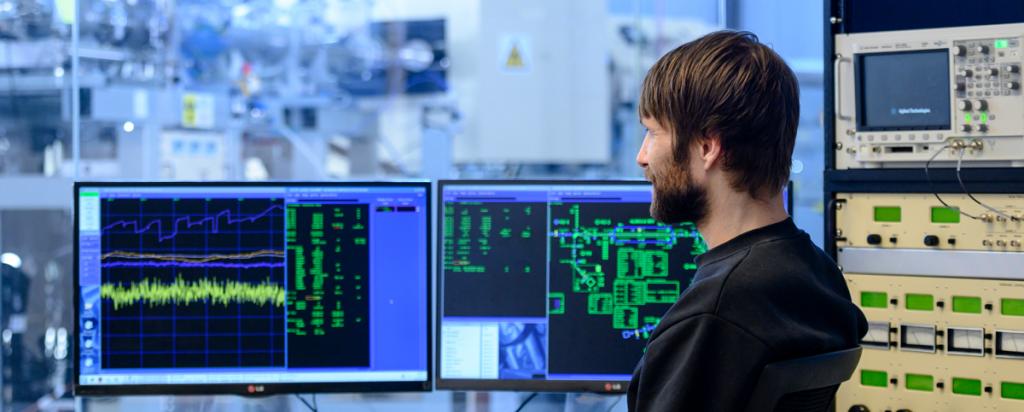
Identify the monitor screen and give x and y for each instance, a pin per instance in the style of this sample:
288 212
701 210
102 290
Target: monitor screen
553 285
903 91
251 288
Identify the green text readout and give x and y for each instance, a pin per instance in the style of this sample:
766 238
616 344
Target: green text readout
945 215
888 214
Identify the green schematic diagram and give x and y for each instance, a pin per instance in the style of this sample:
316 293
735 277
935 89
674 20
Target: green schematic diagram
615 263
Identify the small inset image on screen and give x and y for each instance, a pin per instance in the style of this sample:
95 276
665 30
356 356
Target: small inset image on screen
903 91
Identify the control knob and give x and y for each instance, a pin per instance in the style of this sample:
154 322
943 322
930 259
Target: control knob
931 240
874 239
982 127
965 105
991 71
981 49
1011 68
959 51
965 128
981 105
965 73
1012 85
859 408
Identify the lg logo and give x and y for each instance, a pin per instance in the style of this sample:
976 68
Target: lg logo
612 387
254 389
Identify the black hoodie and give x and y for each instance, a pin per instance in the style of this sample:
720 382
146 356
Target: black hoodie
767 295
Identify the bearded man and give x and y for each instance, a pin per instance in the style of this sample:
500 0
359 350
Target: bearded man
721 114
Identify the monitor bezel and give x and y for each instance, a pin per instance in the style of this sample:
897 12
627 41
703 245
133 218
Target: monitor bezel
256 389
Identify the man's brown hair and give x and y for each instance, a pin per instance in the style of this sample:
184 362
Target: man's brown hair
730 86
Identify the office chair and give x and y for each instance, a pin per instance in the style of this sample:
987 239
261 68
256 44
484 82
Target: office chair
804 384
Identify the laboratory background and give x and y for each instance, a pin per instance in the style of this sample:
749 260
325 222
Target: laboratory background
428 95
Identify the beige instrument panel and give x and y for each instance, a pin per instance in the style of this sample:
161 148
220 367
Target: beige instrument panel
920 221
938 344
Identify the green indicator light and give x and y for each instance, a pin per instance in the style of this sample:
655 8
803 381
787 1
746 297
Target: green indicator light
917 382
967 118
89 194
1002 43
966 304
874 378
1012 307
874 300
1012 390
984 117
888 214
963 386
945 215
920 301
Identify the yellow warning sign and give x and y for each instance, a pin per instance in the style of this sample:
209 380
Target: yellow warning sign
514 53
515 60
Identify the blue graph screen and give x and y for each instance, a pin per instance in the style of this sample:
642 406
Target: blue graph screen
252 284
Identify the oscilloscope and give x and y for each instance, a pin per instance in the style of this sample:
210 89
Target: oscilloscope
251 288
943 96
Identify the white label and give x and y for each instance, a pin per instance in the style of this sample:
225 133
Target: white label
197 110
140 104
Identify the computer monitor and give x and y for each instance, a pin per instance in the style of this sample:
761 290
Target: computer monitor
251 288
553 285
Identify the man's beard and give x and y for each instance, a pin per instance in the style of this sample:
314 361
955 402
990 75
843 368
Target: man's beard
677 198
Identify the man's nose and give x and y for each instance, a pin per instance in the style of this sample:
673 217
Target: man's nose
641 156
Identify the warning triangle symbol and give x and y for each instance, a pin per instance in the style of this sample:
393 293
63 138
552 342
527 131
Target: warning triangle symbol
515 60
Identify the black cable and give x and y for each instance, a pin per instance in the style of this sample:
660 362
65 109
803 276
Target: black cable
311 407
963 187
928 177
528 399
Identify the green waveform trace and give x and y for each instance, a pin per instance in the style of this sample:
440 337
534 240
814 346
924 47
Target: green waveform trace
184 292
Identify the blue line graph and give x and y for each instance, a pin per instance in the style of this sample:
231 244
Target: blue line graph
215 219
239 241
226 265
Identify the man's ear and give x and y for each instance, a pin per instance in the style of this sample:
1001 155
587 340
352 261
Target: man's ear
710 148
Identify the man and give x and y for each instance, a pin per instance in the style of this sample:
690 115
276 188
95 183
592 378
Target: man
721 114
